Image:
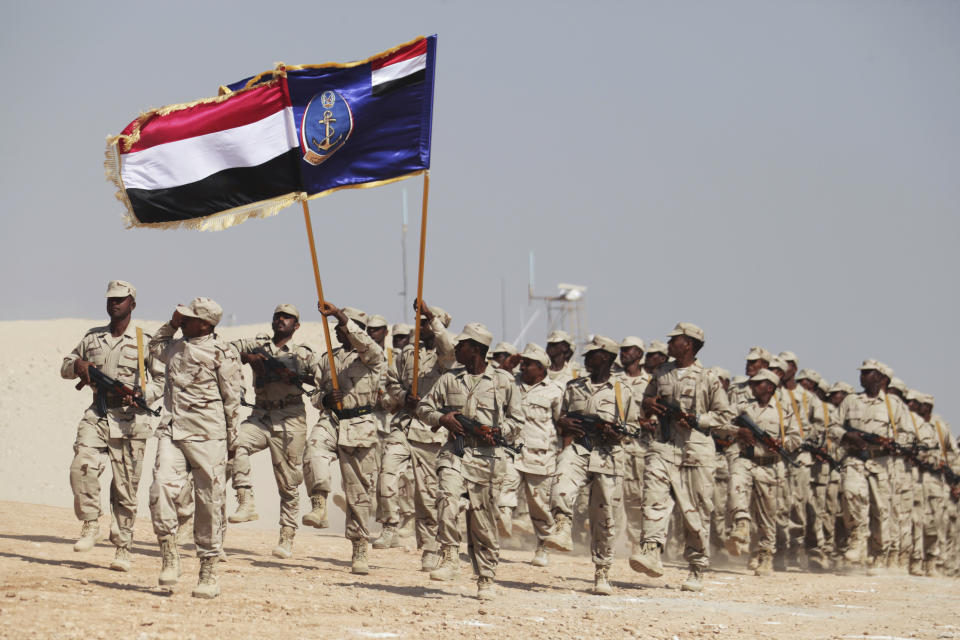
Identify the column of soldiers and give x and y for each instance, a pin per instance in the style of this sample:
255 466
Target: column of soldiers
777 466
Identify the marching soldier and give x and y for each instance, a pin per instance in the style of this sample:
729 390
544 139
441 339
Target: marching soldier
820 517
757 471
592 456
112 426
412 442
719 524
470 466
636 379
560 348
689 403
867 467
347 430
655 356
201 403
537 462
278 421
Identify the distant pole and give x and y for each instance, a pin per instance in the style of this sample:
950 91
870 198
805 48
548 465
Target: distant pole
503 308
403 254
530 284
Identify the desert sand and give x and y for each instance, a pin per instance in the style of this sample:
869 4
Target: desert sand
48 591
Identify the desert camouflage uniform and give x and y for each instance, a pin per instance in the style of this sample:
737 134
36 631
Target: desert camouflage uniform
343 434
412 442
492 399
537 462
120 434
679 469
634 452
278 422
865 490
201 417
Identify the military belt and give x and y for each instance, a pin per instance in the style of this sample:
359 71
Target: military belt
356 412
289 401
763 461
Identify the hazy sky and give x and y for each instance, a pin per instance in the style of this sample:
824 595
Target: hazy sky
780 173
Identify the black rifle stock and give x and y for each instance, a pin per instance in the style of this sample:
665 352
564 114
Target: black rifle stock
277 371
820 454
477 430
593 427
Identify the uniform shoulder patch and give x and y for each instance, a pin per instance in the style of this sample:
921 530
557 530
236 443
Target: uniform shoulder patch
96 330
262 337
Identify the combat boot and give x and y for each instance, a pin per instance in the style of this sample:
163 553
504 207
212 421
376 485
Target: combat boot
601 581
930 568
121 560
854 552
754 561
878 565
449 568
893 559
764 563
562 537
648 560
89 535
358 563
818 561
284 548
505 521
903 560
388 538
170 556
780 560
208 586
694 581
318 517
246 510
916 567
485 588
540 557
739 535
429 560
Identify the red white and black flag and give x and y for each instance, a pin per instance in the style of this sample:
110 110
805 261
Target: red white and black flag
399 69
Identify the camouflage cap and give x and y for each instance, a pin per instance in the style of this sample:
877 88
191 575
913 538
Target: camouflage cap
204 309
809 374
776 362
477 332
766 375
601 343
288 309
356 315
687 329
632 341
376 321
120 289
788 356
536 353
876 365
720 372
401 329
841 387
504 347
759 353
658 346
561 336
899 385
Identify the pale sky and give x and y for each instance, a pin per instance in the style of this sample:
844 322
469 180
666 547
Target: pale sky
780 173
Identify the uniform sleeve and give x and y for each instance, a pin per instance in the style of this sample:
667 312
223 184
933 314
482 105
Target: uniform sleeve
791 430
718 413
157 375
836 430
396 391
370 352
161 341
513 416
228 380
428 410
66 368
446 355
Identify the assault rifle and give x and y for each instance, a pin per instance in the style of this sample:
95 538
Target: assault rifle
889 445
482 432
673 414
595 427
277 371
820 454
743 420
104 385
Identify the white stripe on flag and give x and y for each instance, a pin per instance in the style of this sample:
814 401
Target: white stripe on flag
398 70
185 161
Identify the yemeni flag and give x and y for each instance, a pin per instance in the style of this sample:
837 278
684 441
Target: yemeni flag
292 132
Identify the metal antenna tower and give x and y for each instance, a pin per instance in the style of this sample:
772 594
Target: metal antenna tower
566 311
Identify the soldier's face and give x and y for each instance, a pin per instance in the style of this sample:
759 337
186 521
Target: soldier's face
531 371
809 385
597 361
500 357
399 342
120 307
630 355
342 335
753 366
284 324
762 390
654 360
677 346
195 327
378 334
837 397
870 379
558 350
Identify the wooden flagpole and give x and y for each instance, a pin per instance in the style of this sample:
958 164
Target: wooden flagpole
423 245
316 276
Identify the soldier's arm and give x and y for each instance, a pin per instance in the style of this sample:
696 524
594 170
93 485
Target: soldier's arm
156 378
718 413
513 416
230 385
160 342
446 355
67 368
428 410
836 430
370 352
791 430
395 388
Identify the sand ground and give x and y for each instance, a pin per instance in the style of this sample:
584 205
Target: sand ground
48 591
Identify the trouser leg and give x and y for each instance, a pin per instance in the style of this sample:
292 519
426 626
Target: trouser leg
659 477
537 489
286 453
571 478
319 455
170 473
126 460
396 455
606 500
696 506
358 468
483 536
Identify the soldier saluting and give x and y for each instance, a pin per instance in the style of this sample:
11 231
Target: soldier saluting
112 426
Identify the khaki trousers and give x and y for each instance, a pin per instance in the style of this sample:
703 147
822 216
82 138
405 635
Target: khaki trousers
177 461
399 455
753 496
319 454
92 446
286 453
358 468
691 489
865 501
